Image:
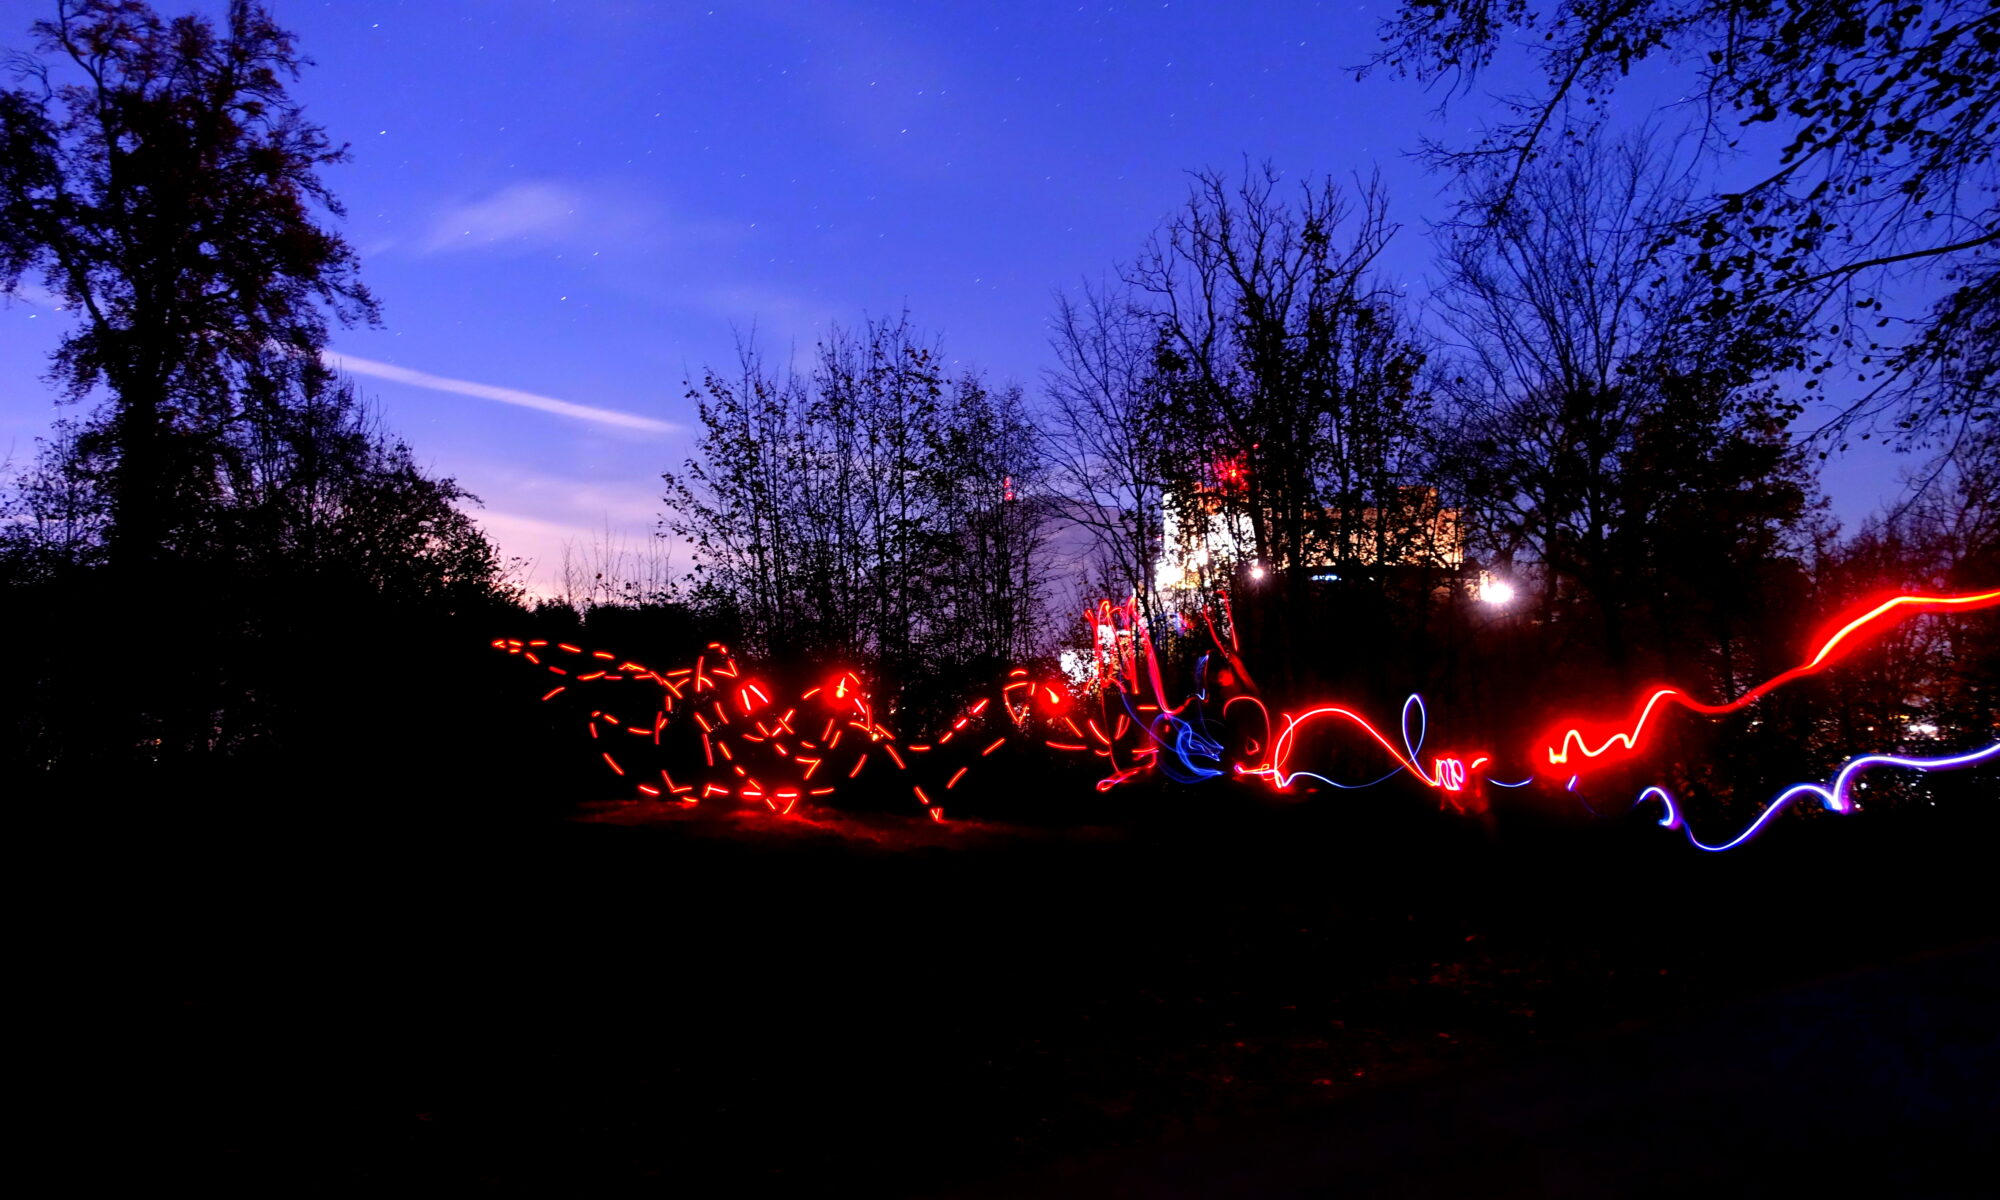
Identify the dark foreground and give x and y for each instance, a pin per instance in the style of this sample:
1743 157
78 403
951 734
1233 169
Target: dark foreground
1292 1000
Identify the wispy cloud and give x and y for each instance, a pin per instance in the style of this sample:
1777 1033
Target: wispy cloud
487 391
534 211
595 215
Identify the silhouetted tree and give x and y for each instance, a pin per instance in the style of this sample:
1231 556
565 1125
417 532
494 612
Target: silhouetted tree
988 499
1617 444
1288 382
231 504
51 517
1888 126
159 180
323 497
859 513
1105 435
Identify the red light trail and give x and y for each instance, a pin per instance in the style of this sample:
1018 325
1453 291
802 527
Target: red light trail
1830 649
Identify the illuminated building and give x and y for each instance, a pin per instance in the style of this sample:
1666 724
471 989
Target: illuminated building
1206 548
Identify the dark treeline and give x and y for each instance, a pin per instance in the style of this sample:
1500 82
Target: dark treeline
1568 473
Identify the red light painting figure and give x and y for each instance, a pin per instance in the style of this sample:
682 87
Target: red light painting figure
710 731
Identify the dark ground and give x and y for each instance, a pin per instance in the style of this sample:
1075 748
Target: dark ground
1297 999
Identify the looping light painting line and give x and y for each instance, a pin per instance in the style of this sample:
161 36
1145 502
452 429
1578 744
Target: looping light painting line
761 749
1448 773
1834 797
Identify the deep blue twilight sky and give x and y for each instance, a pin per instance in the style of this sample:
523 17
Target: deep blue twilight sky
568 208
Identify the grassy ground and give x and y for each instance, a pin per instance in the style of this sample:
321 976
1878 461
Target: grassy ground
335 1000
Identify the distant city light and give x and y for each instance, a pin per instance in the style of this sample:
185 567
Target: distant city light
1496 591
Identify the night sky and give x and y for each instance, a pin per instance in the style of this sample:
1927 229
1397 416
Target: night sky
568 209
